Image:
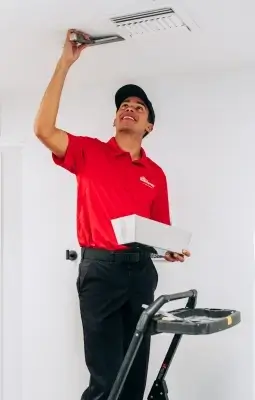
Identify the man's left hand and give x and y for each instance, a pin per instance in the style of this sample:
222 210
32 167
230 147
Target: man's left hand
173 257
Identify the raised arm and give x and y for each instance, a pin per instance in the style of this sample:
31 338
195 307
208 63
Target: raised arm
45 128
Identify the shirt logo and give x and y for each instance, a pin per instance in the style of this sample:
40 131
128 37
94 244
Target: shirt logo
146 182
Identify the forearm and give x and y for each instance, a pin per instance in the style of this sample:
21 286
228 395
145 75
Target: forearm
45 121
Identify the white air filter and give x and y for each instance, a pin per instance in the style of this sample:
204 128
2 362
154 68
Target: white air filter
149 22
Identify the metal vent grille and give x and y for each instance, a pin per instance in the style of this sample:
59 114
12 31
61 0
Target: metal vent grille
148 22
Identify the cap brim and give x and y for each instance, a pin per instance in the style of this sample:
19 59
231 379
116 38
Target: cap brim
130 91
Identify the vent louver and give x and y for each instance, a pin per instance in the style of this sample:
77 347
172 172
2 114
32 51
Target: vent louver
149 22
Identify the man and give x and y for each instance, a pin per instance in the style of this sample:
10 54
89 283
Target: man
114 179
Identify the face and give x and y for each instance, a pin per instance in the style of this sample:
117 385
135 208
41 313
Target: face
132 117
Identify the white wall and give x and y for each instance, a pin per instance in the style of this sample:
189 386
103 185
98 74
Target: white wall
204 140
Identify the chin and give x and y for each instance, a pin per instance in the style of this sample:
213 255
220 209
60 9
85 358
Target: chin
127 125
128 131
125 129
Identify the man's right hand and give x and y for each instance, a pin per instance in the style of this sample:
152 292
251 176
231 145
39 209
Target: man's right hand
45 123
71 51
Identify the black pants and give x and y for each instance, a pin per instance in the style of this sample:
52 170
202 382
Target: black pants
111 296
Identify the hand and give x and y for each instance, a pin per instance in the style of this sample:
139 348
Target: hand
71 51
172 257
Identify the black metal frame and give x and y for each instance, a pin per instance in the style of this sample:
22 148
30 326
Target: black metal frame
159 388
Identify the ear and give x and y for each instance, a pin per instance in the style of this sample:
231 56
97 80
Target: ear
114 122
149 128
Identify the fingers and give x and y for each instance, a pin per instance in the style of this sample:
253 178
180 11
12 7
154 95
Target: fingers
186 253
85 35
80 48
179 257
76 46
169 258
172 257
69 32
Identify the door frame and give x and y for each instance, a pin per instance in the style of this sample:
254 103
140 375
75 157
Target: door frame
1 283
10 361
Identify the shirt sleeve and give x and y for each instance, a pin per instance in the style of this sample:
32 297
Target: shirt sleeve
74 158
160 211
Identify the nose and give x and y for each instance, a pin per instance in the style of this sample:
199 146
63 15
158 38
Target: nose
130 108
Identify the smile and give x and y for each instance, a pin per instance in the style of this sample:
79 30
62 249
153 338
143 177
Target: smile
128 117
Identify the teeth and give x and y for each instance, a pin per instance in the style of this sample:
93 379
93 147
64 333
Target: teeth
127 117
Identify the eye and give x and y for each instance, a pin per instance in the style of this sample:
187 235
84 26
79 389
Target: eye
140 108
123 105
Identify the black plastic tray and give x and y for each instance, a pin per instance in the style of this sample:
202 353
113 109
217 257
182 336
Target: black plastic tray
198 321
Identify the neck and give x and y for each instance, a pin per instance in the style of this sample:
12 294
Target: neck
129 143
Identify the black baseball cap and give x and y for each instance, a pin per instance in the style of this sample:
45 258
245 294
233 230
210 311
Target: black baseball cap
134 91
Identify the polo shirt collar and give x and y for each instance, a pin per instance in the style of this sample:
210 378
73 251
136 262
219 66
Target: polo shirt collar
118 151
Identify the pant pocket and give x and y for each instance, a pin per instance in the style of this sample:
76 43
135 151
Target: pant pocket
82 274
155 275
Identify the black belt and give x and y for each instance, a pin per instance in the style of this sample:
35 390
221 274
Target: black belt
114 256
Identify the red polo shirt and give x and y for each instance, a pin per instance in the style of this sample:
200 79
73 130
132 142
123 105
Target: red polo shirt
111 185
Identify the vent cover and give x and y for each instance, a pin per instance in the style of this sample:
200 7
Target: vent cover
148 22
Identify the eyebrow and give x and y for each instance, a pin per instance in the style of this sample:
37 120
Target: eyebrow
138 102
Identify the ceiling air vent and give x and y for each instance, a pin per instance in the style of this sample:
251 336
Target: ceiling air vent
152 21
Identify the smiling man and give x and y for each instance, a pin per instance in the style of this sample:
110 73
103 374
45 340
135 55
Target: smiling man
114 179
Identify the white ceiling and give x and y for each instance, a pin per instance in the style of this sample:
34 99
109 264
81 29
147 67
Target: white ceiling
32 33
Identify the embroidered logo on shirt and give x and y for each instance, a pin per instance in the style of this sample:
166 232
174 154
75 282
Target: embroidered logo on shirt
146 182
